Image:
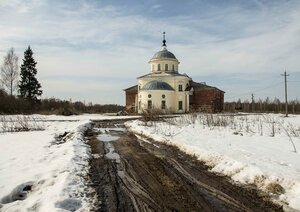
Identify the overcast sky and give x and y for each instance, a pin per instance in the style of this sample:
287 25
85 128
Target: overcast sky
90 50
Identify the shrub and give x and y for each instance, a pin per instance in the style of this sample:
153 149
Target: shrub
152 115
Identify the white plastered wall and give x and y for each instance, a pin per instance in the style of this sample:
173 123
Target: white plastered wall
172 98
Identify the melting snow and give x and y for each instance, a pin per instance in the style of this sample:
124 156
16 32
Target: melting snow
57 171
254 149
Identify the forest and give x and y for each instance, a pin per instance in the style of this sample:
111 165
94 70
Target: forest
262 106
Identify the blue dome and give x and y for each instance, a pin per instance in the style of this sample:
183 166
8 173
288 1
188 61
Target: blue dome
157 85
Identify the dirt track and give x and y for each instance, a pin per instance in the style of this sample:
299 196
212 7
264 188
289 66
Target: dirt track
133 175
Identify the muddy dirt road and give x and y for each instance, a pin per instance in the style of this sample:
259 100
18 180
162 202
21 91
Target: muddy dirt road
131 174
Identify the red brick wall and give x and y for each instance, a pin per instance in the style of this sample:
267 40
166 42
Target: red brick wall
207 100
130 98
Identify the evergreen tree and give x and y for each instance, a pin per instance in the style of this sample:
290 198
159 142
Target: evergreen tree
29 87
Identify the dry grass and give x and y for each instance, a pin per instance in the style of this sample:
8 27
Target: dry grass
19 123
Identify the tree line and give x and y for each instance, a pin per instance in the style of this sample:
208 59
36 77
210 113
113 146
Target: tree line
28 87
21 92
15 105
262 106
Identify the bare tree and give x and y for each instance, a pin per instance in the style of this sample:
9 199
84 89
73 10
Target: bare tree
9 71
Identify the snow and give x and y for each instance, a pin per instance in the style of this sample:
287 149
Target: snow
251 149
56 168
53 156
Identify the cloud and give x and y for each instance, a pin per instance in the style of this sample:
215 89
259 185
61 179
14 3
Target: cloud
75 40
255 42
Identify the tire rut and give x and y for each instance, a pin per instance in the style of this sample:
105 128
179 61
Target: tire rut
151 176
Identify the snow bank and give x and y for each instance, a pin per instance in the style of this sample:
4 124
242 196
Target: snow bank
57 170
252 149
48 167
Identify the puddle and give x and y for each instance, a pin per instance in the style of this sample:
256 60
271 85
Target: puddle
107 137
121 174
107 130
112 154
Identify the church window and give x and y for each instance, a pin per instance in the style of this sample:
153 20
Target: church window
179 87
163 96
149 95
173 67
180 105
158 67
166 67
149 104
163 104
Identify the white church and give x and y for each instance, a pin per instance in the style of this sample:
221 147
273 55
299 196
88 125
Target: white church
166 89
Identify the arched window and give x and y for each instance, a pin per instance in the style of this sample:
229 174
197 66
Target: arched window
166 67
173 67
158 67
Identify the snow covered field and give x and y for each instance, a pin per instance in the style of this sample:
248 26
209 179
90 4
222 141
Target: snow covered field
51 162
251 149
52 170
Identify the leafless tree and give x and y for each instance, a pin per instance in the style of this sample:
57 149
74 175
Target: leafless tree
9 71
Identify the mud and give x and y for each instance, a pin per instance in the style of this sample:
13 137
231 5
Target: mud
130 174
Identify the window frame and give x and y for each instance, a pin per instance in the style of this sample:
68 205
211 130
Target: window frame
163 104
149 104
180 105
180 87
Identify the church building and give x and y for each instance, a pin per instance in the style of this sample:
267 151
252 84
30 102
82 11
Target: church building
164 88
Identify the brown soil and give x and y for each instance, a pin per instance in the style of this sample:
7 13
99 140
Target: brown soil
158 177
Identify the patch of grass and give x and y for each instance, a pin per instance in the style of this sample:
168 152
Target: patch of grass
275 188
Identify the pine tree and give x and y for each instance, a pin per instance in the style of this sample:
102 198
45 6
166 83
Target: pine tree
29 87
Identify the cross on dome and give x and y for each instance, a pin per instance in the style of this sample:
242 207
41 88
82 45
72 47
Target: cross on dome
164 39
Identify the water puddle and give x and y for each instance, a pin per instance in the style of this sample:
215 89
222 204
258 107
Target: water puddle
112 129
111 153
107 137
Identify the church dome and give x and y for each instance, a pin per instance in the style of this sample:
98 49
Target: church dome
157 85
164 54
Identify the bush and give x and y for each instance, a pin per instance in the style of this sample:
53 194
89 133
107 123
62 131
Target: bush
152 115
